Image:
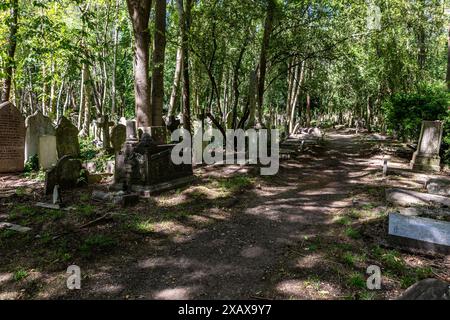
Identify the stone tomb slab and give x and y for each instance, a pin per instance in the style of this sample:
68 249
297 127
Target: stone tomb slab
12 139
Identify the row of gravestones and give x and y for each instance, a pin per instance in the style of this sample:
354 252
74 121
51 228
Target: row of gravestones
20 139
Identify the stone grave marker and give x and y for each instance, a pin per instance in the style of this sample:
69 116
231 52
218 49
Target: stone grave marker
37 125
427 155
118 136
66 174
48 155
67 139
12 139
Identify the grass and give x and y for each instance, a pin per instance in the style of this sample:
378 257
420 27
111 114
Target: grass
86 210
352 233
143 227
235 184
345 221
393 261
356 281
349 259
20 274
97 243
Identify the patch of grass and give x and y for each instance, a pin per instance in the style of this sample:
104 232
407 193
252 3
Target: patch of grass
407 280
349 259
85 197
21 210
20 274
7 234
235 184
345 221
377 251
144 227
314 282
368 295
357 281
352 233
354 214
368 206
423 273
97 243
393 261
21 191
86 210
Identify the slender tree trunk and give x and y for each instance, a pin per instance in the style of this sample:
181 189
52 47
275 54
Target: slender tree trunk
158 63
139 11
298 80
12 42
268 26
114 66
185 25
87 103
308 110
176 82
82 96
448 60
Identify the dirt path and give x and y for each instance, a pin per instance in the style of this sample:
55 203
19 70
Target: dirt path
238 258
309 232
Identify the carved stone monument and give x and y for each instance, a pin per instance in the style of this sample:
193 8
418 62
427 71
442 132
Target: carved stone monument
146 167
12 139
427 155
67 139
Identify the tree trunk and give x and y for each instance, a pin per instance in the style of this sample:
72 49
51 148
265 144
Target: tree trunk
185 25
12 42
176 82
139 11
158 63
82 96
114 66
268 26
448 60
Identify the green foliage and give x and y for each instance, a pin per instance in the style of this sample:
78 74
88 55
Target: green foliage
32 164
405 112
20 274
97 243
357 281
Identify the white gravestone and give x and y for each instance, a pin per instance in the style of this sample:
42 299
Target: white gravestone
427 155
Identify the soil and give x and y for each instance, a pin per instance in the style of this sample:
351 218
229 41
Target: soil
309 232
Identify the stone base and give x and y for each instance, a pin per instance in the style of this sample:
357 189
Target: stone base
425 163
148 191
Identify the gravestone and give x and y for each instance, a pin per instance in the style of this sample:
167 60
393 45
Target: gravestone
12 139
118 136
66 173
67 139
427 155
48 156
37 125
158 134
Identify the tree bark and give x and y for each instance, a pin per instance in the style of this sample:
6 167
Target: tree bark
448 60
268 27
139 11
185 25
12 43
176 82
158 63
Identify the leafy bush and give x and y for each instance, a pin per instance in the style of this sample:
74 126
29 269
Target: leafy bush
32 164
405 112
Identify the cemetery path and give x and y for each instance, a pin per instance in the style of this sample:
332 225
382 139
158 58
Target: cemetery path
247 255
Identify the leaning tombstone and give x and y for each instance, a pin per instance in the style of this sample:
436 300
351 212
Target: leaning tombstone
67 139
67 173
427 155
37 125
12 139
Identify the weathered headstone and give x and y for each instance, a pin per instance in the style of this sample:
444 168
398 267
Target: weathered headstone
118 136
158 134
37 125
12 139
67 139
48 155
427 155
66 174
